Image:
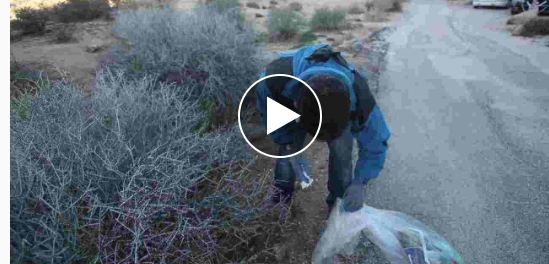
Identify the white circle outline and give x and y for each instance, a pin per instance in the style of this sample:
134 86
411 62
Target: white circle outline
240 124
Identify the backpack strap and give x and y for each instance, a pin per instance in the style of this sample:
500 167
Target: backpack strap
365 100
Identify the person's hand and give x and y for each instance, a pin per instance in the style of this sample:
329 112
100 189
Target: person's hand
353 198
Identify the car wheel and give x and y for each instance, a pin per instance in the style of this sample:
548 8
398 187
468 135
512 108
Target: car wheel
475 7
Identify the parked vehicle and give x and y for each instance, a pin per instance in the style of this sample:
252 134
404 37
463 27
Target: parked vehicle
494 3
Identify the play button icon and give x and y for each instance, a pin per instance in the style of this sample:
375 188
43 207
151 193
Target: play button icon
277 119
278 115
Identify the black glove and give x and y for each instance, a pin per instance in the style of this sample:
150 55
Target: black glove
353 198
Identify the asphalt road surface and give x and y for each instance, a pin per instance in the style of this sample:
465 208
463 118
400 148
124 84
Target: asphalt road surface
468 108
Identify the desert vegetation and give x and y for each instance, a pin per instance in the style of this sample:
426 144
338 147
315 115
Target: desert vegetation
141 171
151 168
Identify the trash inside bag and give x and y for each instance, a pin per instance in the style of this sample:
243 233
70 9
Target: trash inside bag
402 239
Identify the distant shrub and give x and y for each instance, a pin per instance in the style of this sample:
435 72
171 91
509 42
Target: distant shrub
124 178
31 21
355 9
284 24
81 10
396 6
205 48
295 6
65 35
326 19
253 5
306 38
223 5
537 26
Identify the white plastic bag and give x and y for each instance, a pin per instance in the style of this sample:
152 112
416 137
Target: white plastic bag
402 239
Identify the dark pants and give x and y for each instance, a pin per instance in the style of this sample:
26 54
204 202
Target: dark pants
340 166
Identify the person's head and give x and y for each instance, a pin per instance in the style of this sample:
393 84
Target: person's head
334 99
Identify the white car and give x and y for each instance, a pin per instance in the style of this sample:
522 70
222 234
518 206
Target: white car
494 3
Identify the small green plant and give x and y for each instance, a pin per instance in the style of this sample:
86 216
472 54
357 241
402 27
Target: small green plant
326 19
21 106
284 24
31 21
204 125
261 38
136 66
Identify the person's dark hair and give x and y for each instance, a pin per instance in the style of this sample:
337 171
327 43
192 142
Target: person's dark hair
334 99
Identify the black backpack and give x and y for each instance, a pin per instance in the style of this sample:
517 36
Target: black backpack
284 65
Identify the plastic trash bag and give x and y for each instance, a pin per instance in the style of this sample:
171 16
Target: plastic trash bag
402 239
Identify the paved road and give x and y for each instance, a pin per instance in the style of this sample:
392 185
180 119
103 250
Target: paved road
468 106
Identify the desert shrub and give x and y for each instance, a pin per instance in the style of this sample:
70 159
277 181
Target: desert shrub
355 9
202 47
31 21
231 8
307 37
253 5
224 5
81 10
396 6
535 26
283 24
295 6
326 19
123 178
65 35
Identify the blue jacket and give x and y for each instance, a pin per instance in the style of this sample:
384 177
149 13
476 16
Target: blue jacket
372 136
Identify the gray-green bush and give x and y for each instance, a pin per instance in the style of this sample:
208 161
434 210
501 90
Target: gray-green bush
283 24
328 19
81 10
205 47
123 178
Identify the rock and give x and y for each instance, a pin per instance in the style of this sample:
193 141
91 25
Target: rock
521 18
518 31
264 7
338 40
273 2
259 15
253 5
93 48
330 39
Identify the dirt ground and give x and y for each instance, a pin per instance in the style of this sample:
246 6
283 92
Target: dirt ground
309 209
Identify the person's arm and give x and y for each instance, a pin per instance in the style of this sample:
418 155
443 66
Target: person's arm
284 135
372 142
